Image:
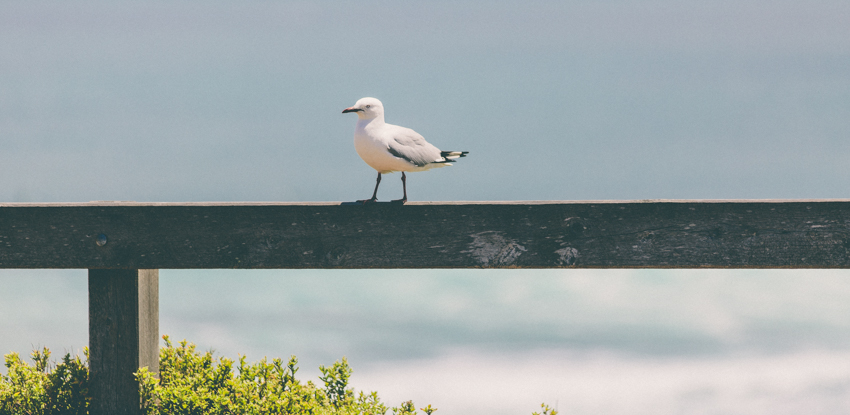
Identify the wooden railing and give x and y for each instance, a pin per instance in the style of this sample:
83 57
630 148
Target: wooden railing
124 244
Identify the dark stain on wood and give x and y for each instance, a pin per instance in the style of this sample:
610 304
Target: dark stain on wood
123 336
664 234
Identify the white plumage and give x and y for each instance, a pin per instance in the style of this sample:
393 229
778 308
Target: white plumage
389 148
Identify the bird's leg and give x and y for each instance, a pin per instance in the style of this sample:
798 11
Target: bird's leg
403 186
374 194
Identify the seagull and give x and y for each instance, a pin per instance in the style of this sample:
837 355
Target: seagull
389 148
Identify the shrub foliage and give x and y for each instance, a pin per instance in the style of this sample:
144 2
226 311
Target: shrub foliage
194 383
44 390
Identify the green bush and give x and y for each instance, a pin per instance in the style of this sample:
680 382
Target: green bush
42 390
194 383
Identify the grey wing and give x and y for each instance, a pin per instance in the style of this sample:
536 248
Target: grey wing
411 146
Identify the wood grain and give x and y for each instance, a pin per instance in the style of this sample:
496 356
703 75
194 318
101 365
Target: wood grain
601 234
123 336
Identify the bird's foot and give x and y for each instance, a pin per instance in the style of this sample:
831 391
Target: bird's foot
367 201
399 201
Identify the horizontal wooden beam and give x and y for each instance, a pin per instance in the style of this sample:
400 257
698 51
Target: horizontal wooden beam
604 234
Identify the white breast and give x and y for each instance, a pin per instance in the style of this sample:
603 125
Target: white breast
372 148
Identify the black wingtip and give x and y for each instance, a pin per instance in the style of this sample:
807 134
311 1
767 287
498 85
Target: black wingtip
445 154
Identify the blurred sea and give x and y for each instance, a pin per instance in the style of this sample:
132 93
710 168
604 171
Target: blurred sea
502 342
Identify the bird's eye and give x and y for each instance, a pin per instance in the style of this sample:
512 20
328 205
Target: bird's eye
368 106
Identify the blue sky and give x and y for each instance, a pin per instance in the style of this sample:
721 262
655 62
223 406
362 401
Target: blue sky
570 100
555 100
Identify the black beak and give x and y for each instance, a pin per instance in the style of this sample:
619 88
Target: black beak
352 109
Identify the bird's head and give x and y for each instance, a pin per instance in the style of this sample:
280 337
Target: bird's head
367 108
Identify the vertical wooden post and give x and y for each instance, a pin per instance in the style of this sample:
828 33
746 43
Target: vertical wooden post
123 336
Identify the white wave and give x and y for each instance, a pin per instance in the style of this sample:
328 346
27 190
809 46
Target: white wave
461 382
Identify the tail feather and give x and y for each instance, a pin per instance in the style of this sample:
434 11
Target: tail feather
448 157
451 155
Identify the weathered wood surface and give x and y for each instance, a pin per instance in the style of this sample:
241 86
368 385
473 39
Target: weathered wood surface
123 336
656 234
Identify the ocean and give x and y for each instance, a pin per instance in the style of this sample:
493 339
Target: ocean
503 341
